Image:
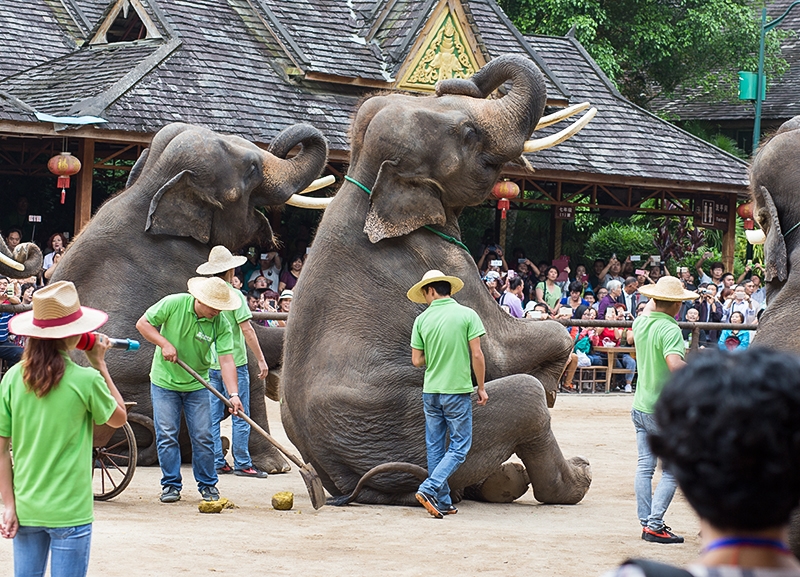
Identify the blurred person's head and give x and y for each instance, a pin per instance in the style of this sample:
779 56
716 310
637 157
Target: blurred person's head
737 318
588 296
614 288
589 314
26 293
14 238
579 311
727 280
575 289
717 268
601 292
631 285
552 273
56 241
692 315
260 283
598 266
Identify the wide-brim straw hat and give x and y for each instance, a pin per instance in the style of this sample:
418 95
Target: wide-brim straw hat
668 288
220 260
415 293
57 314
213 292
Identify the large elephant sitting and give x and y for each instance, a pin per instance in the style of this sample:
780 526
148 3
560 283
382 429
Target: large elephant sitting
191 190
351 397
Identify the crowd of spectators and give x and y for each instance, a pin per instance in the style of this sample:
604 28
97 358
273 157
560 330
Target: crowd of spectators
610 291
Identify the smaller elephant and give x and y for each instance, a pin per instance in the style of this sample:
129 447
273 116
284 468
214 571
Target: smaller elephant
23 262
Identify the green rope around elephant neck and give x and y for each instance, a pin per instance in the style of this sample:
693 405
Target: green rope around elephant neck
447 237
790 230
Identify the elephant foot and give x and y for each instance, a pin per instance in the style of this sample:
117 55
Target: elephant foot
565 486
271 461
505 485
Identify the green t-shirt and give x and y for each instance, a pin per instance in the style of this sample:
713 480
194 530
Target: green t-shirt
240 315
52 444
443 332
191 336
656 335
551 296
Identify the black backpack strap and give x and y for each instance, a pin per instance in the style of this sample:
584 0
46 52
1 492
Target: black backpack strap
656 569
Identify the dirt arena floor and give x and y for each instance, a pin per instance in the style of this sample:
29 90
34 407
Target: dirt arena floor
135 535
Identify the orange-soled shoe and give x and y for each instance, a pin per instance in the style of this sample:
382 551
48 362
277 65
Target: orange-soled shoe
430 504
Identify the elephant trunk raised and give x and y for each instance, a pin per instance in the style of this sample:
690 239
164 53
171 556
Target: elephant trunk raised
23 262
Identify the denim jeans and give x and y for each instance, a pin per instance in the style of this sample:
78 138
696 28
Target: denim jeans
167 408
629 363
68 548
241 430
651 509
10 352
445 414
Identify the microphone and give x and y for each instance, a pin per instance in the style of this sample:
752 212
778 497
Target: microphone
88 340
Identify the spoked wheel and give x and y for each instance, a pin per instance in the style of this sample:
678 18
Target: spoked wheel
114 464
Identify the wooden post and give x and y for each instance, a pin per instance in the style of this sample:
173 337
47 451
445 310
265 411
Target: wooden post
83 196
558 226
729 236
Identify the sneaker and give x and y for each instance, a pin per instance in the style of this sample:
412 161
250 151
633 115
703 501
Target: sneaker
430 504
170 494
628 389
663 535
251 472
210 493
449 510
225 469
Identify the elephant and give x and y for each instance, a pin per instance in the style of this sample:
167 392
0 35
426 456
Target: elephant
23 262
190 190
351 398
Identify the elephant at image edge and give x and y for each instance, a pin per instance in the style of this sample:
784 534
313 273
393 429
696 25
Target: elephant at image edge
192 189
351 398
774 185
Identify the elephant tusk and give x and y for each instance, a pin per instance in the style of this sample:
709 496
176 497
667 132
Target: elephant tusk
319 183
559 137
305 202
10 262
755 236
551 119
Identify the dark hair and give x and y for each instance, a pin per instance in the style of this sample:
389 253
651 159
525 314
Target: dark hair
579 310
575 286
514 283
729 432
5 278
543 305
43 365
741 315
442 287
52 236
716 264
727 274
18 231
631 280
295 257
25 287
551 267
255 293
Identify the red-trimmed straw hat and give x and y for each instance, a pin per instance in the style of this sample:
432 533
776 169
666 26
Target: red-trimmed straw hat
57 314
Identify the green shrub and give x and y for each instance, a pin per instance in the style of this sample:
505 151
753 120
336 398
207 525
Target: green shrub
622 240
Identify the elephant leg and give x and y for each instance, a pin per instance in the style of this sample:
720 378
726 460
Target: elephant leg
516 420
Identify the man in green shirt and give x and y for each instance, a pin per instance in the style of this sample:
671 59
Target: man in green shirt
222 264
190 326
445 339
659 351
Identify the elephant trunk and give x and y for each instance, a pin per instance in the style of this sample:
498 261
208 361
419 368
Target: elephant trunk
284 177
510 120
23 262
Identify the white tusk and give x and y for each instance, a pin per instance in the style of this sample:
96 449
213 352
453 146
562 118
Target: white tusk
319 183
550 119
306 202
755 236
11 262
559 137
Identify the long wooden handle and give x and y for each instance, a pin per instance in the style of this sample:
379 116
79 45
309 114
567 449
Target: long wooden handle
247 419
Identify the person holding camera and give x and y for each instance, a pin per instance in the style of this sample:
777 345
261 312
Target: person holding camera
739 302
270 268
710 311
48 407
492 259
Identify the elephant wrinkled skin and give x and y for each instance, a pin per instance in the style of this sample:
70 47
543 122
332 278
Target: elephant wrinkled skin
191 190
351 398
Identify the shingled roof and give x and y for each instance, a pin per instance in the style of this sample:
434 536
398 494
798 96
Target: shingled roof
254 67
783 97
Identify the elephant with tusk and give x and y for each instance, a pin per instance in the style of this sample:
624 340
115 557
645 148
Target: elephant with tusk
192 189
352 400
23 262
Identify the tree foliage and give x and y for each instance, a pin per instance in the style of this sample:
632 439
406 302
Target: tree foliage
652 47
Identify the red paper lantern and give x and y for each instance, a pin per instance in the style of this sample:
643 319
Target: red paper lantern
745 210
64 165
503 190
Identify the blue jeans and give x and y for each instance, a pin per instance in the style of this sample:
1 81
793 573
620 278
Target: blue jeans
67 546
167 407
651 509
629 363
241 430
10 352
445 414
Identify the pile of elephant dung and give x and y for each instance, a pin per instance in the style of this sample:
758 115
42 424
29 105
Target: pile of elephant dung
215 506
283 501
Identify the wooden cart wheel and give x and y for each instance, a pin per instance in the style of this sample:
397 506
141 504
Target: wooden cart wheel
114 464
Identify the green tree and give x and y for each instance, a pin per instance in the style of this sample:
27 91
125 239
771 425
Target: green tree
651 47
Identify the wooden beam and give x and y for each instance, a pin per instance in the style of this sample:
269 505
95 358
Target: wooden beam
729 237
83 197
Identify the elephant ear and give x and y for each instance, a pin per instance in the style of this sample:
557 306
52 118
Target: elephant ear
401 203
775 246
180 209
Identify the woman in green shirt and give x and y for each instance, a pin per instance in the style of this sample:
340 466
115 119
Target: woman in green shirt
548 291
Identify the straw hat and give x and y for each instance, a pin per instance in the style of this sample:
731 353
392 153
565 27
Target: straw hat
415 293
286 295
220 260
213 292
668 288
57 313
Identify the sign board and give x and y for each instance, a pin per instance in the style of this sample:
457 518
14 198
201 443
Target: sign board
34 218
566 212
711 212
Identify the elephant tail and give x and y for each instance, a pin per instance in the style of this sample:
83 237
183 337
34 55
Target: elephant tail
394 467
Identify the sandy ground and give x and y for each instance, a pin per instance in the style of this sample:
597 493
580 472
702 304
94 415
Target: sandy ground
136 535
